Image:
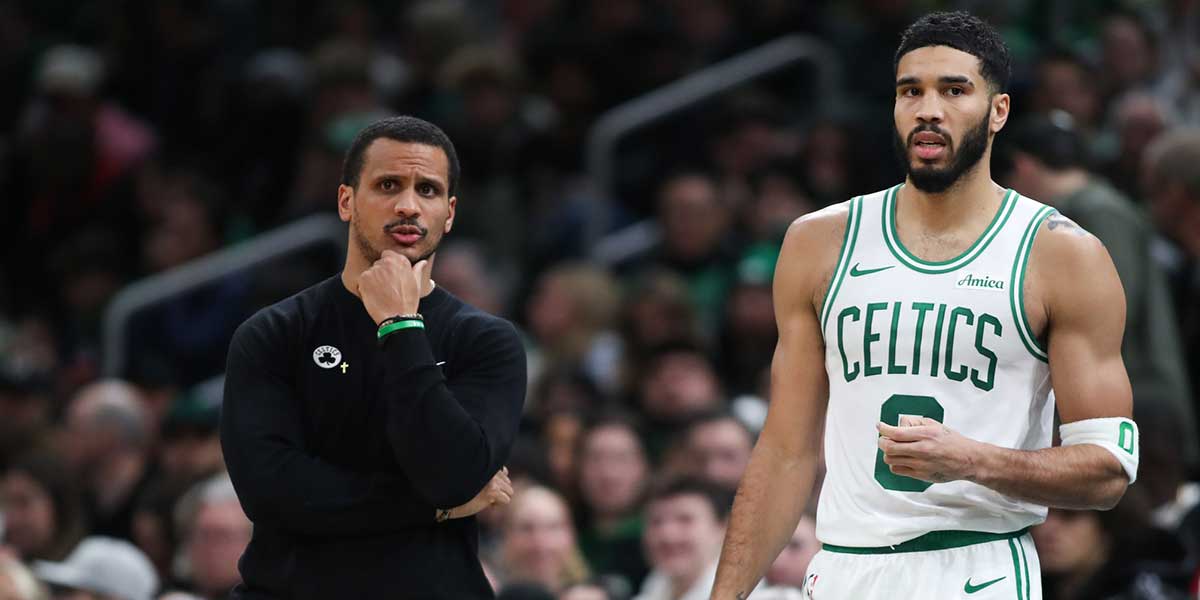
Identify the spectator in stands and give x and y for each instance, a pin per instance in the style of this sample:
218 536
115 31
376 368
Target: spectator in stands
1138 118
539 542
748 331
1087 554
463 269
827 162
154 530
777 198
698 240
18 583
216 532
1129 54
657 311
560 401
613 475
79 150
106 443
676 383
1172 184
189 449
1065 82
572 316
1048 164
718 447
26 379
100 568
791 565
685 525
43 515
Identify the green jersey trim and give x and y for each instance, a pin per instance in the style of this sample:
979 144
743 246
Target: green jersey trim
892 238
1016 286
934 540
839 271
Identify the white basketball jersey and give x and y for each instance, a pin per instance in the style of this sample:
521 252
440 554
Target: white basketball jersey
946 340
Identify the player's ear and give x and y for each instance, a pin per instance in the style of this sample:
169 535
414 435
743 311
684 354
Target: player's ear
1000 106
345 202
453 201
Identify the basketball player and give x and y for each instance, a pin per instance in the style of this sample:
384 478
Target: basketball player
924 326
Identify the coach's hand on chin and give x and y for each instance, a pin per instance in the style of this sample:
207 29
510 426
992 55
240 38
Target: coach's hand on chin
394 286
925 449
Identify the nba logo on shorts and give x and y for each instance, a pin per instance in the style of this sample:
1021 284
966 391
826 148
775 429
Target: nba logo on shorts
810 586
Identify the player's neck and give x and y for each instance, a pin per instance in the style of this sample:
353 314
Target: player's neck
973 196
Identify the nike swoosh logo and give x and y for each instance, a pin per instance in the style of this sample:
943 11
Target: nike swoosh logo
971 589
438 364
855 272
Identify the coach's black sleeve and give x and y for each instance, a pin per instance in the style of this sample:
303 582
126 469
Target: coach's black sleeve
278 483
450 437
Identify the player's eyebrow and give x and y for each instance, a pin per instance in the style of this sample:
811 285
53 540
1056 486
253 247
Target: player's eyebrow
944 80
948 79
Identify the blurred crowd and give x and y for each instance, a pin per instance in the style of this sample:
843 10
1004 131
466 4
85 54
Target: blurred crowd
137 136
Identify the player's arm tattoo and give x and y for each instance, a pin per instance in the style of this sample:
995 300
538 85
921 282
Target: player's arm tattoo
1057 221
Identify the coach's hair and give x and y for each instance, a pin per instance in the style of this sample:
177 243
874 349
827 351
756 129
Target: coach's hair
965 32
719 497
401 129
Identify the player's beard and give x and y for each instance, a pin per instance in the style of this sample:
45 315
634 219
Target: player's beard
934 180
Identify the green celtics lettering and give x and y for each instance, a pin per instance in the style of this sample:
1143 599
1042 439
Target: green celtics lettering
934 354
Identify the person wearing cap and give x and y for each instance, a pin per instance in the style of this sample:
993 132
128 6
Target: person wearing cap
100 568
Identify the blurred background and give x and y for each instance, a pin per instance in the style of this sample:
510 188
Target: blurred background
629 168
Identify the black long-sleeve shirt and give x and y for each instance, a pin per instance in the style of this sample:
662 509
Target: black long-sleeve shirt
341 449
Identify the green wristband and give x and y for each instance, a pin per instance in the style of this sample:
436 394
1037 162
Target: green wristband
397 326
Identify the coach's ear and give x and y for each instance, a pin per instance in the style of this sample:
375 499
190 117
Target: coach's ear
345 202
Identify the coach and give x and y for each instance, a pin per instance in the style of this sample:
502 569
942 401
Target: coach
366 416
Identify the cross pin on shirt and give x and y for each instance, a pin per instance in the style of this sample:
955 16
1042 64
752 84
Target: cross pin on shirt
345 366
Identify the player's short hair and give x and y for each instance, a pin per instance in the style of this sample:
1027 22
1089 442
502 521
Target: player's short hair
404 129
719 497
967 33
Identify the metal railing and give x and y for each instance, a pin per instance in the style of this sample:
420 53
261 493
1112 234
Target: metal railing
304 233
697 87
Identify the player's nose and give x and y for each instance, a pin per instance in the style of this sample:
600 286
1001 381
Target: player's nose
929 109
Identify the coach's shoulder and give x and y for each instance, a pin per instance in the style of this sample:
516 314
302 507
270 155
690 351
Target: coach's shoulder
271 325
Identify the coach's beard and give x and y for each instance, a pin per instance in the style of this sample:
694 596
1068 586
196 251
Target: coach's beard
372 254
933 180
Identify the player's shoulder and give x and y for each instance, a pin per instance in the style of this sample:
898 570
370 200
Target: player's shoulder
1061 243
820 227
1065 260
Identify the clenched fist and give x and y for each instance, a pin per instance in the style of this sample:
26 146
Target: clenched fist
393 286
